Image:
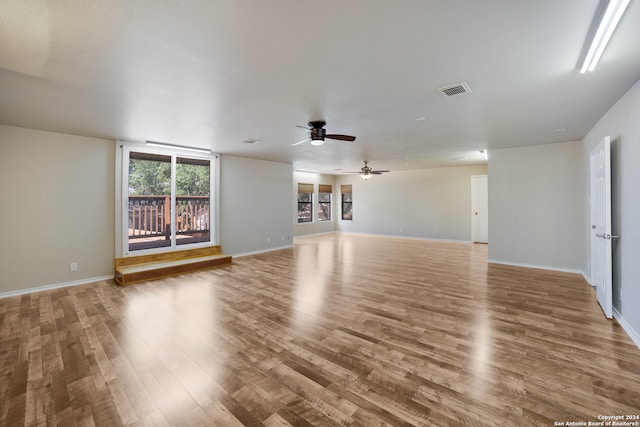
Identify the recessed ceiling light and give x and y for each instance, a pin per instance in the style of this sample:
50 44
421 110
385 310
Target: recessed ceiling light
338 169
250 141
420 119
560 130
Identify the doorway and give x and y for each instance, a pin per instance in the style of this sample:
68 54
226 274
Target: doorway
479 209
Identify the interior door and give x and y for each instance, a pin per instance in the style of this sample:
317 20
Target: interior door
479 209
601 273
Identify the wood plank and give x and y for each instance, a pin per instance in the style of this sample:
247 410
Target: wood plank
401 332
168 256
133 273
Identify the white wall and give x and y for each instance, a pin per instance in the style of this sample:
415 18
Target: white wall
622 124
536 206
255 205
57 207
427 203
316 226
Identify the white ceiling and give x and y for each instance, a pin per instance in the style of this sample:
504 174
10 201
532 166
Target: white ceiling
212 73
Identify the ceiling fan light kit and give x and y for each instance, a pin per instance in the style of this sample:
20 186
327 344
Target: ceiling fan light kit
317 136
366 172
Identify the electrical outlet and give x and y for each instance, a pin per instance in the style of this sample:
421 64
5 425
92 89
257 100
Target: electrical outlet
282 238
73 266
268 239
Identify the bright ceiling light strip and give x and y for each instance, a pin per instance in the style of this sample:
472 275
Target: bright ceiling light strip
607 26
178 147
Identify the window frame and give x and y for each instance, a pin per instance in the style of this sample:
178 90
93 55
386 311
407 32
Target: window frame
214 198
329 203
309 203
343 204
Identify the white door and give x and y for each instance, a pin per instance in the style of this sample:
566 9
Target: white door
479 209
601 224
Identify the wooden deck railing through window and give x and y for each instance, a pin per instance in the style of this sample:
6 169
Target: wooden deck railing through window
150 220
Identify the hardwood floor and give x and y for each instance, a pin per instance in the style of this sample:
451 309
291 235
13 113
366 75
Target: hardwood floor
341 330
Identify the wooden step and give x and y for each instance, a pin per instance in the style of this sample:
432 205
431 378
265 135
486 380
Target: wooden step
147 267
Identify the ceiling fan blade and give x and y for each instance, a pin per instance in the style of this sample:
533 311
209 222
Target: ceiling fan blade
300 142
375 173
302 127
379 172
340 137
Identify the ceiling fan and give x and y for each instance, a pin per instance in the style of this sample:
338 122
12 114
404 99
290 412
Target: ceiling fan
366 172
317 134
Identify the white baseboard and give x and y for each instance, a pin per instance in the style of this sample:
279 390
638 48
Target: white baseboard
54 286
261 251
402 236
633 334
541 267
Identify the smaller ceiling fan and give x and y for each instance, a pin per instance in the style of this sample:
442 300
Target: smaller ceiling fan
366 172
317 134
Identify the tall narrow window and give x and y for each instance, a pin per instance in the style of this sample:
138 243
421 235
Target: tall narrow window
324 202
347 202
193 183
149 207
168 200
305 203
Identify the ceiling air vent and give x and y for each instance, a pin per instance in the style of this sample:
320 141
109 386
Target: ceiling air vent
455 89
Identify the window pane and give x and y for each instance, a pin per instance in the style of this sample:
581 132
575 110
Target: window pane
149 201
324 211
324 206
347 206
304 197
193 207
347 211
305 206
305 213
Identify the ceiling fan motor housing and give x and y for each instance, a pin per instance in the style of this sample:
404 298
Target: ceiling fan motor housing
317 134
